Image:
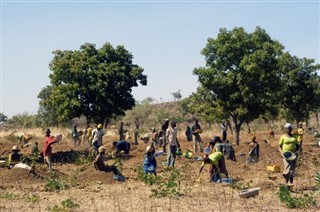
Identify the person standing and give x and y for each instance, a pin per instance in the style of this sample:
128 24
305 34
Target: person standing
300 133
97 138
254 151
289 147
47 149
75 136
188 134
173 144
150 162
196 130
224 131
162 135
121 132
89 135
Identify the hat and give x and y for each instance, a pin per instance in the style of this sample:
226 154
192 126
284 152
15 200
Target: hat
99 126
15 148
101 149
148 149
288 125
289 156
166 119
300 123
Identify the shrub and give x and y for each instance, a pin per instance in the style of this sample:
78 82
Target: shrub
53 183
66 205
304 201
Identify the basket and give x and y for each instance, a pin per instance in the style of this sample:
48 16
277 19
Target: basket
273 168
249 192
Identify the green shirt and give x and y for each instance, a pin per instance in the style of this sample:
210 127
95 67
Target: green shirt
288 143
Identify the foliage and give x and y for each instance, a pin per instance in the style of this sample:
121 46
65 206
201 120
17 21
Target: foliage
66 205
177 95
33 198
304 201
139 114
47 112
240 186
318 180
300 93
241 77
23 120
96 83
7 195
168 185
54 183
3 118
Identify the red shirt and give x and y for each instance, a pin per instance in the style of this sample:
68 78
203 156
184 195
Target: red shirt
47 149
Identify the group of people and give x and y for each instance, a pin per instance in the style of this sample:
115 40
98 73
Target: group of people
290 146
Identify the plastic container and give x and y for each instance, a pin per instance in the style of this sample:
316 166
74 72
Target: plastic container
273 168
226 180
206 150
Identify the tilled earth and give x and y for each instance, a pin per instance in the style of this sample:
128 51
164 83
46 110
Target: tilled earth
97 191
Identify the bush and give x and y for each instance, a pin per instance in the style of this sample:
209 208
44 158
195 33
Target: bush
66 205
53 183
168 185
304 201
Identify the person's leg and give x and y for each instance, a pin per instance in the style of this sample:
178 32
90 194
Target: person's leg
200 143
195 147
174 154
169 156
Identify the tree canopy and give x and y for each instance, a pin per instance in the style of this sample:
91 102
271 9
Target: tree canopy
241 74
300 93
96 83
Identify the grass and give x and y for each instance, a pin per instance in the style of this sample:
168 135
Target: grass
65 205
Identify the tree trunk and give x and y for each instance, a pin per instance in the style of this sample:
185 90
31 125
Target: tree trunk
317 119
237 127
248 128
230 127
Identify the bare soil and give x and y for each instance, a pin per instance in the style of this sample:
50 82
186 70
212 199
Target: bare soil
98 191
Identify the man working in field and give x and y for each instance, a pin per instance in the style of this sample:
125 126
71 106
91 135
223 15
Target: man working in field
47 149
196 130
121 146
100 165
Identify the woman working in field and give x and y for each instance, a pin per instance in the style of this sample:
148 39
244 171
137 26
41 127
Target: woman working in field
289 148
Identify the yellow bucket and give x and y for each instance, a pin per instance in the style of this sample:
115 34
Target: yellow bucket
273 168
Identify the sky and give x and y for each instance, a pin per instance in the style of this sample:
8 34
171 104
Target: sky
165 38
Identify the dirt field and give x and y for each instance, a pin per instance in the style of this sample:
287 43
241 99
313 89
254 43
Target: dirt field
98 191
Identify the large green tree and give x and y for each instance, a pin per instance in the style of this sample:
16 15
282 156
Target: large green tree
96 83
241 74
300 87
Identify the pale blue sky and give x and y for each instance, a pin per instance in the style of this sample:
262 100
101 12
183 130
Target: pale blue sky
165 38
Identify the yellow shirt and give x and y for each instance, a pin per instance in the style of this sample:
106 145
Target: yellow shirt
300 133
288 143
214 158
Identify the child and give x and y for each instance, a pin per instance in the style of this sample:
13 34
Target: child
254 151
150 162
